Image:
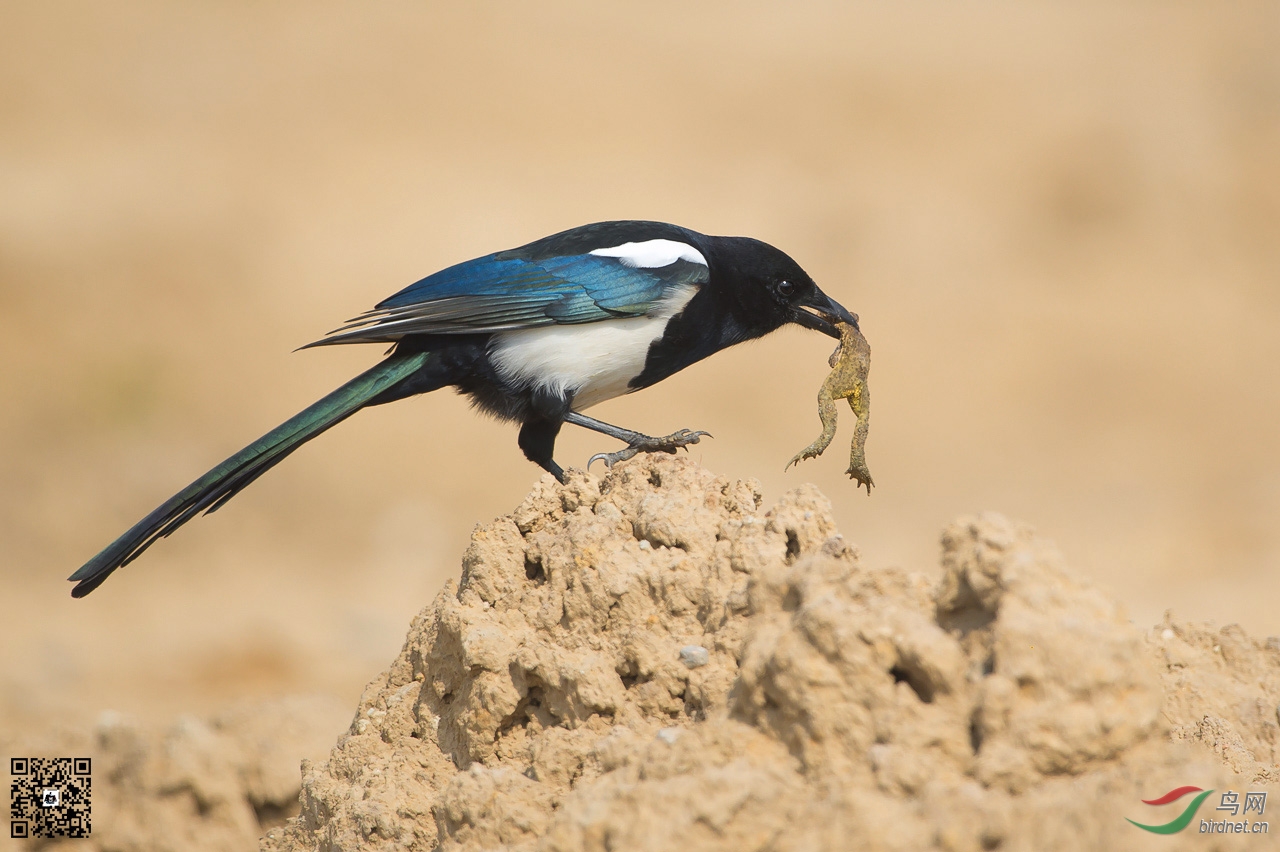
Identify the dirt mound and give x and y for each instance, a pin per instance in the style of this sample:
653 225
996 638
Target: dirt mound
651 661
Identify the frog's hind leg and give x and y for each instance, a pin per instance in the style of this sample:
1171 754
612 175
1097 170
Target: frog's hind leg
857 456
828 415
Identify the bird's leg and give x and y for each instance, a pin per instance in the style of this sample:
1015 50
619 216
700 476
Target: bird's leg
636 441
538 441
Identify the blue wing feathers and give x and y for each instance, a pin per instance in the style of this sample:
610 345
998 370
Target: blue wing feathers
484 276
498 292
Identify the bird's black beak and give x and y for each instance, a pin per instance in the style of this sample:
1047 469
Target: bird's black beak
821 312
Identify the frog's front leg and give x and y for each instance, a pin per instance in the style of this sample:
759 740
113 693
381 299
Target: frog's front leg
827 413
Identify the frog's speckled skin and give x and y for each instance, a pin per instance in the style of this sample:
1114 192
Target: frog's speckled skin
848 380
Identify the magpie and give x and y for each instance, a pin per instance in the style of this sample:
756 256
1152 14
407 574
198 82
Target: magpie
535 335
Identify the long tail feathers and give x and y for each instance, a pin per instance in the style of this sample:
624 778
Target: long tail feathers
219 485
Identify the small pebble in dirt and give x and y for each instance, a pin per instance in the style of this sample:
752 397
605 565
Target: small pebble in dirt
669 735
694 656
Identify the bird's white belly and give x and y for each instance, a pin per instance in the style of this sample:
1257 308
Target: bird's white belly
593 361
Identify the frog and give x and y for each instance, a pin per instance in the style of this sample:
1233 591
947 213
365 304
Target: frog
850 364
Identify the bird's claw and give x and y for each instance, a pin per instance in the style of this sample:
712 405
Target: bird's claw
665 444
610 459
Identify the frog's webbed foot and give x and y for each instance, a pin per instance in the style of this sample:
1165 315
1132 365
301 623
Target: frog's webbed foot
810 452
860 475
645 444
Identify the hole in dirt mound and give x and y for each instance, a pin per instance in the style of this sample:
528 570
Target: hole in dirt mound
917 680
975 732
793 546
966 612
273 814
528 708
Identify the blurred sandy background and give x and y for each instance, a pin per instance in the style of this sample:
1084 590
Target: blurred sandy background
1060 225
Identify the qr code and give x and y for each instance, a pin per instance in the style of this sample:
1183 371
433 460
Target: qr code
49 797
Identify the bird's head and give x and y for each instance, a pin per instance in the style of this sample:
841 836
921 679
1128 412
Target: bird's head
768 289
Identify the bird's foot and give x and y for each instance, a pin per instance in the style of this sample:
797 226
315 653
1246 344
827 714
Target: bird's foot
665 444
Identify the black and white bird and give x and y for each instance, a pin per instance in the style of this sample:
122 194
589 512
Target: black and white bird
536 335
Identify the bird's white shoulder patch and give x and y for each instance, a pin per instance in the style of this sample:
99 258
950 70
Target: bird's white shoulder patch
652 253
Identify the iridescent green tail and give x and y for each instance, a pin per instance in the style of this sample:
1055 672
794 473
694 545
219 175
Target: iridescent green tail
226 480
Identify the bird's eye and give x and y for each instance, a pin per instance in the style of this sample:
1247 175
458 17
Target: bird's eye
786 289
